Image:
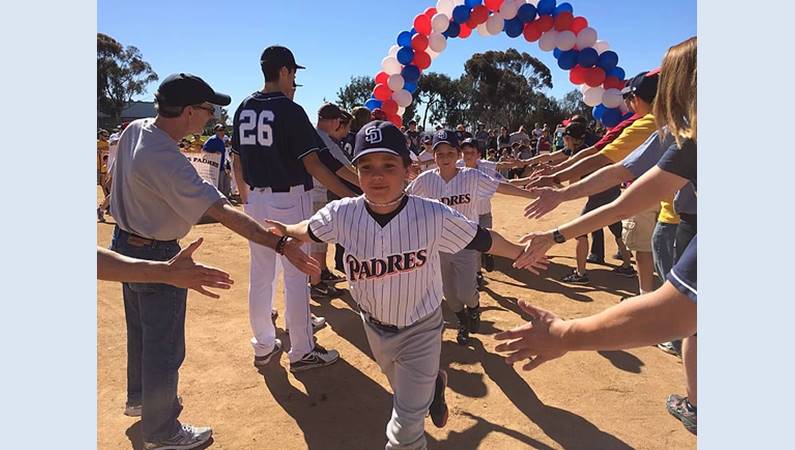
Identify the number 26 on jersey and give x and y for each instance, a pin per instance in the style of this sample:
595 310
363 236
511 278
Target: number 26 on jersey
256 128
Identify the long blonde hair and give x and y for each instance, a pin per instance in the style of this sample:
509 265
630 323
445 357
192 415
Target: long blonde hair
676 101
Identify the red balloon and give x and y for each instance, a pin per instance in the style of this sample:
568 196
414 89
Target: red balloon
389 106
479 15
421 60
545 23
396 119
382 92
493 5
578 24
577 75
422 24
531 31
465 31
594 76
563 21
472 23
430 12
381 77
613 83
419 42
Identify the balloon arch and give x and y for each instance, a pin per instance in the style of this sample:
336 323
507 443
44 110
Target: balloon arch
573 43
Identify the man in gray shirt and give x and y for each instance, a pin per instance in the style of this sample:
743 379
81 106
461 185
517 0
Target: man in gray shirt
157 198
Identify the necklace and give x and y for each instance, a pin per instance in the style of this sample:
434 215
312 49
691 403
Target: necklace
387 204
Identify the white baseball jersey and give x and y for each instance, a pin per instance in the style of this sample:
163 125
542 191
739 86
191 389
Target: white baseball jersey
490 169
462 193
394 271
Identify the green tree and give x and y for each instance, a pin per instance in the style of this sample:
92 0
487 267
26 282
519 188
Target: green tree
572 104
121 74
355 93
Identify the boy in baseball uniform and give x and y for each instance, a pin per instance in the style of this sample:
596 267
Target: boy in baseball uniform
392 244
462 189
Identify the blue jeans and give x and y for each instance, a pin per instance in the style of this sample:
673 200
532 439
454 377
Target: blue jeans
662 248
155 316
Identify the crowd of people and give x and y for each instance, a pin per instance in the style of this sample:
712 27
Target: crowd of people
409 216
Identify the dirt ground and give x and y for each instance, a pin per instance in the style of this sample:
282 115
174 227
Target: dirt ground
586 400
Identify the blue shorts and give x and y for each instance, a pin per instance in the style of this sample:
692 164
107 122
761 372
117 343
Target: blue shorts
683 275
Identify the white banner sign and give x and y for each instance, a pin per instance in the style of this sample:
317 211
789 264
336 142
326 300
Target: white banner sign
207 164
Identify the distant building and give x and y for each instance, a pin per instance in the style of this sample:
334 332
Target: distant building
132 111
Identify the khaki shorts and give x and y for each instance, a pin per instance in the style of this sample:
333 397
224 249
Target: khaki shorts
638 230
319 200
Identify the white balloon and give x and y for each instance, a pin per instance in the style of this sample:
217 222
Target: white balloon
483 30
548 41
440 22
612 98
533 2
437 42
401 110
586 38
458 2
509 9
601 47
584 87
494 24
566 40
445 7
393 50
402 97
431 53
391 65
395 82
593 96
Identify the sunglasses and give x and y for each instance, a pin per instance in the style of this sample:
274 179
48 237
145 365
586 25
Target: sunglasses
628 95
209 109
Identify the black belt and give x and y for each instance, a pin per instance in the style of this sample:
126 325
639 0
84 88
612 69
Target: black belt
383 326
281 189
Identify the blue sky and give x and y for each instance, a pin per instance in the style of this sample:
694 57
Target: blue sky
222 41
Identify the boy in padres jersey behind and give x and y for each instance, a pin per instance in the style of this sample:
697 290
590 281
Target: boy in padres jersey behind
392 243
462 189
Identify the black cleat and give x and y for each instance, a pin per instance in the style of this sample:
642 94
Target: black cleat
438 410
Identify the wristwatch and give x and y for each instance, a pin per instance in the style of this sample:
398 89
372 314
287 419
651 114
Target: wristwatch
558 237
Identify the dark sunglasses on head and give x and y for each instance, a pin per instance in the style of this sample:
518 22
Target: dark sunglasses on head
628 95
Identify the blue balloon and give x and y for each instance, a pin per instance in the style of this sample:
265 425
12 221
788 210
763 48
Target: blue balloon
527 12
411 73
556 51
404 39
461 14
411 87
513 27
473 3
611 117
405 55
626 116
563 7
545 7
617 72
598 111
413 31
608 60
587 57
453 30
568 59
372 104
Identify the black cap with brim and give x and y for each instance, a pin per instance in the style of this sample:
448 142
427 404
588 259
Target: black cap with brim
380 136
184 89
277 56
470 142
644 85
445 137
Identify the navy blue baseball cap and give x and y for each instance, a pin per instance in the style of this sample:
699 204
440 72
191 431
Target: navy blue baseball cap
471 142
276 57
380 136
185 89
644 85
445 137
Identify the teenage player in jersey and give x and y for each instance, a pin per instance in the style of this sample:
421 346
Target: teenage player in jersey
471 159
279 156
392 245
462 189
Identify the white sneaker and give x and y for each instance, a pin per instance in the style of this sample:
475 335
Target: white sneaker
186 438
317 323
261 361
318 357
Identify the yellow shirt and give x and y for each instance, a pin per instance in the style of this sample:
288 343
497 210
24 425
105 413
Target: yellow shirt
630 139
667 212
102 149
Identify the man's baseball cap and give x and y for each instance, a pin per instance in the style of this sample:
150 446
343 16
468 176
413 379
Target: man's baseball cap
575 130
445 137
426 140
380 136
184 89
644 85
219 126
331 111
469 142
276 57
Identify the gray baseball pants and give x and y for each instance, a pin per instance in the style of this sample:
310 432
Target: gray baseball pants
410 360
459 278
